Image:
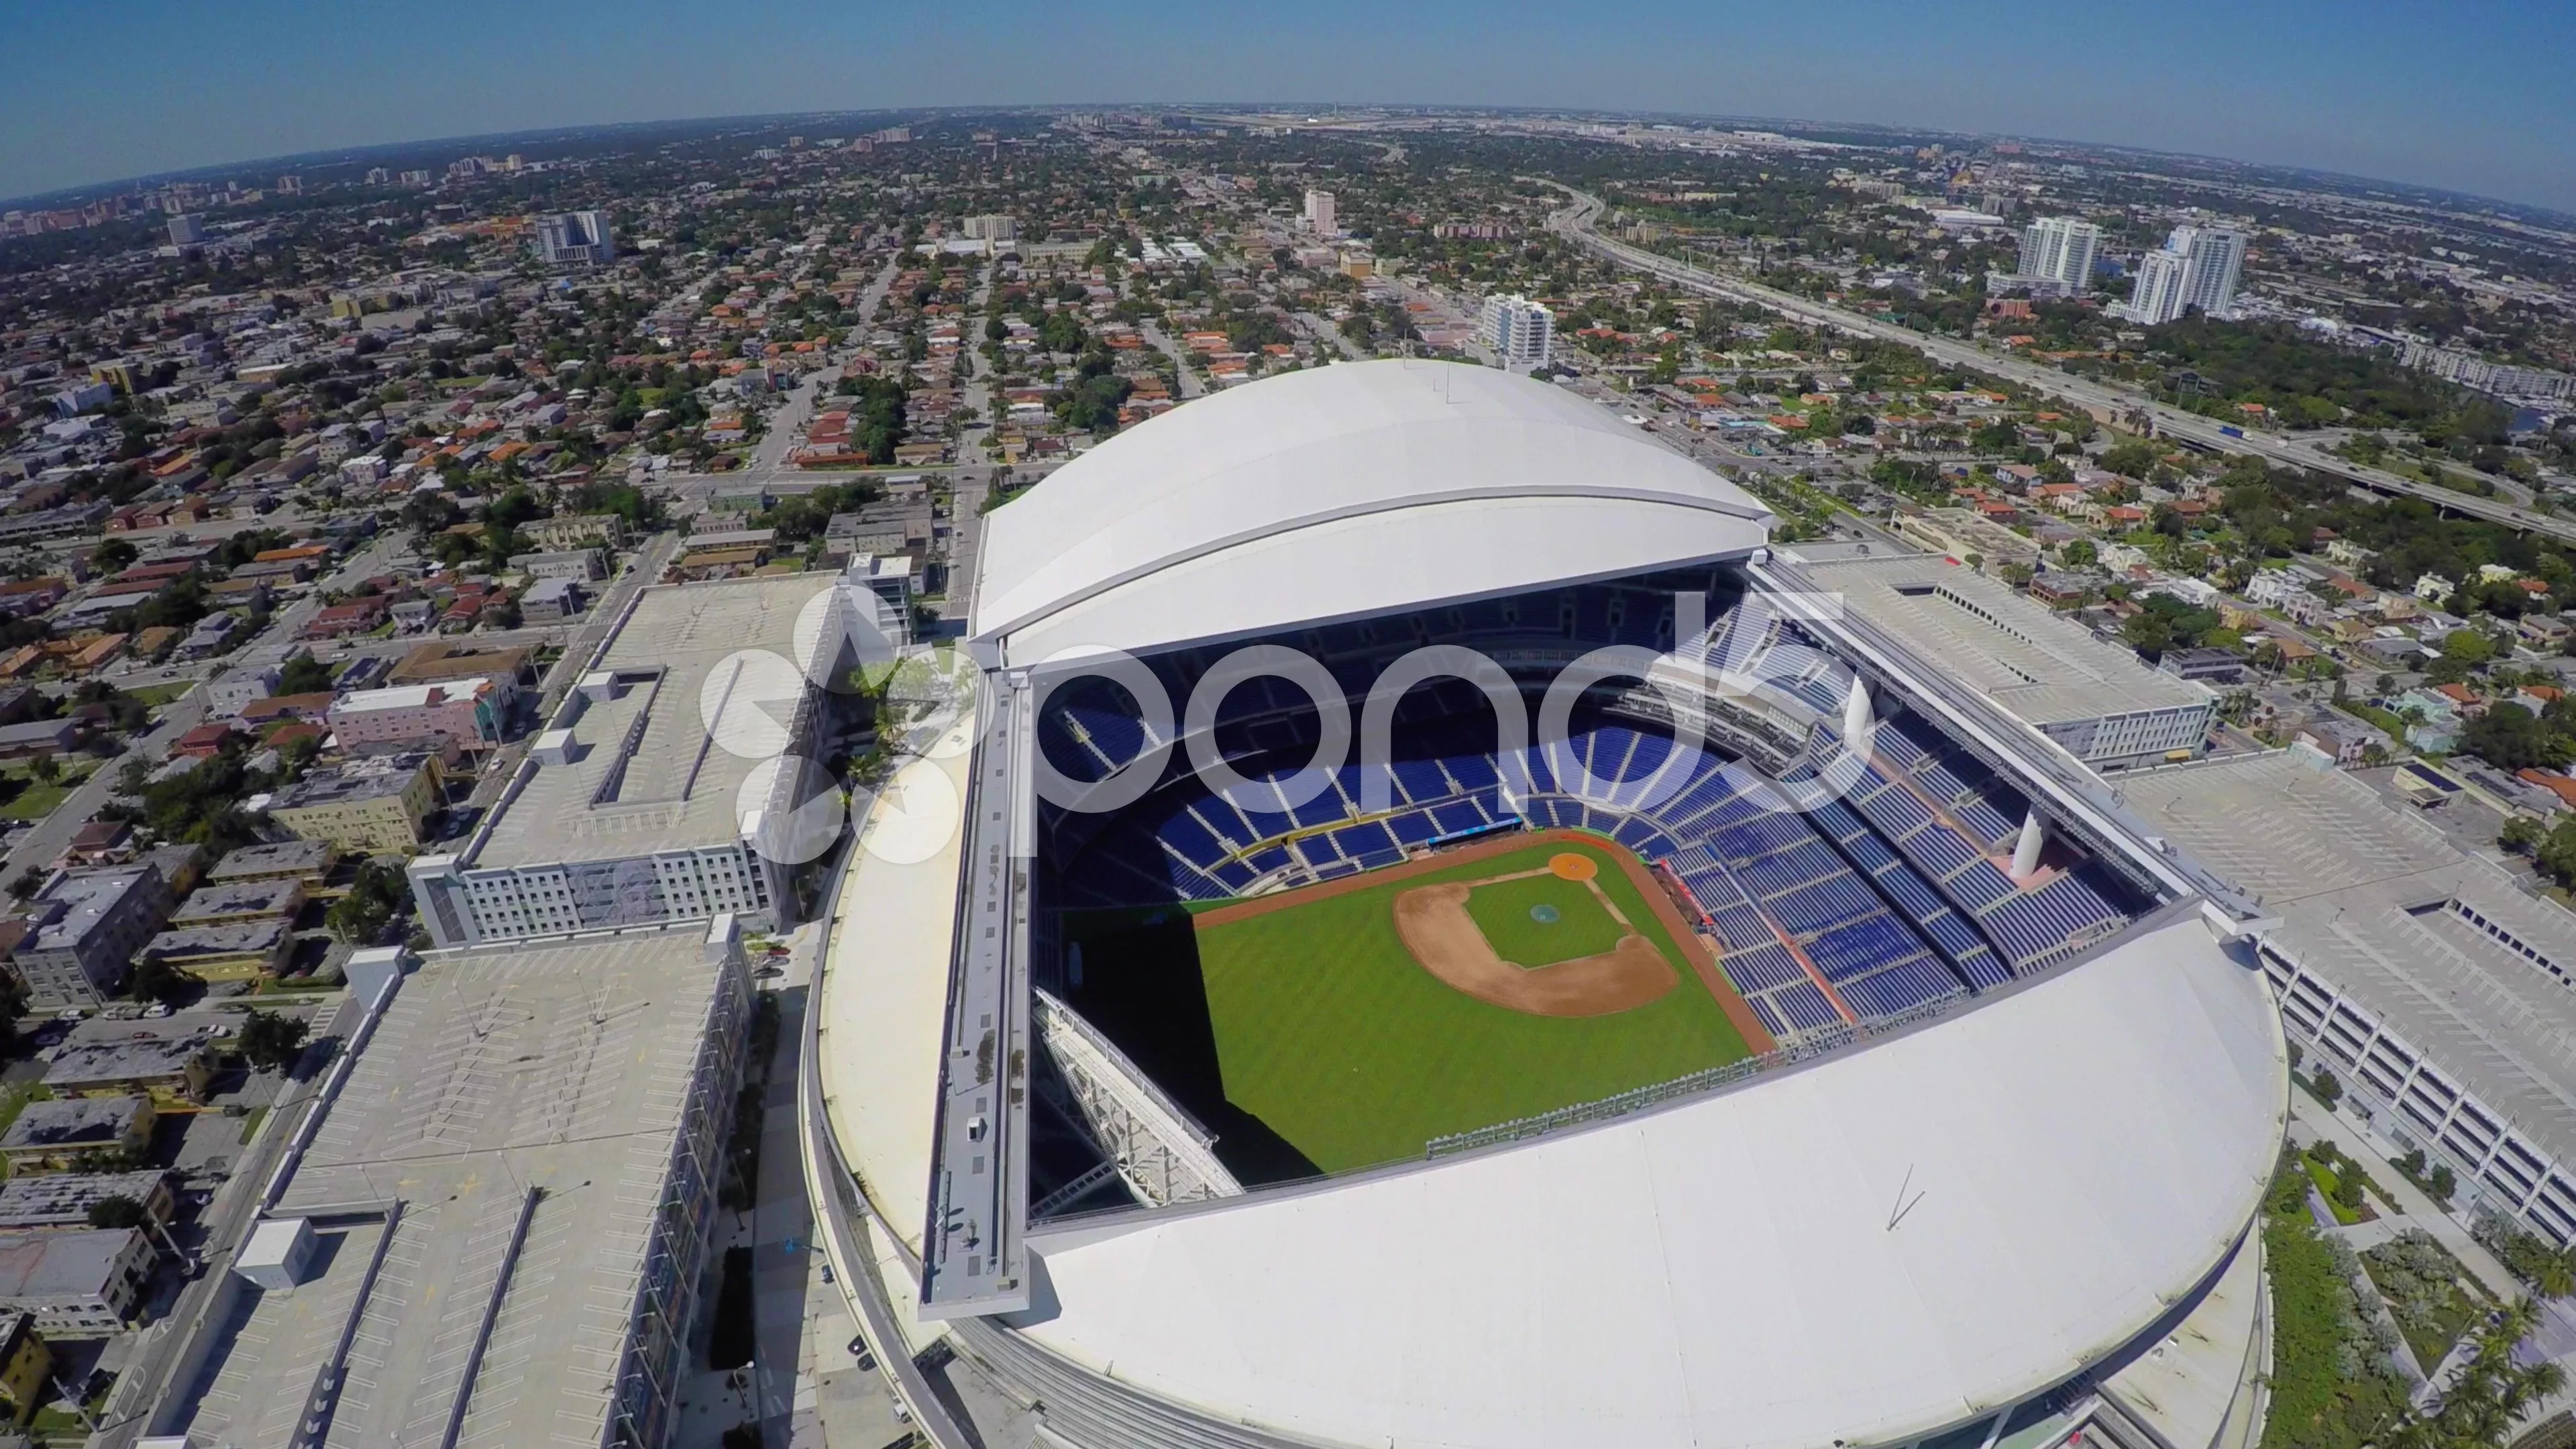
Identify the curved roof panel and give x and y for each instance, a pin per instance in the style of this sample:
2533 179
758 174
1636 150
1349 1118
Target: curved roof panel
1871 1248
1334 493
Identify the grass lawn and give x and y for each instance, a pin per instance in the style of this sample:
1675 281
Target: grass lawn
1309 1040
250 1123
34 799
2387 720
157 695
1542 920
2326 1181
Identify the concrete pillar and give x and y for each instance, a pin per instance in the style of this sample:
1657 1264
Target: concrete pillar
1856 712
2026 851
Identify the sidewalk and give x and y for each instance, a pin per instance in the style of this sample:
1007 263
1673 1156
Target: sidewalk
803 1385
2420 1211
776 1231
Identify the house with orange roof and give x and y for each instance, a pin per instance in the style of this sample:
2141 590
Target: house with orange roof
89 656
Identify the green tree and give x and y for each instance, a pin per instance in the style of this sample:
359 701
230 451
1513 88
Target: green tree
112 555
2322 1083
1061 332
2135 458
304 674
2148 632
2513 738
2469 647
272 1042
157 980
117 1211
2521 835
370 905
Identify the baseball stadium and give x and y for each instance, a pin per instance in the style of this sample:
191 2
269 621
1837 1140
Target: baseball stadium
1431 932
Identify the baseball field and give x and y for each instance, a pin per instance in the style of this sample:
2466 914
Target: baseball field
1347 1024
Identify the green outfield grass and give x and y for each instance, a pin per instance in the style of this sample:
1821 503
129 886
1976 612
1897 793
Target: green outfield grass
1308 1039
1542 920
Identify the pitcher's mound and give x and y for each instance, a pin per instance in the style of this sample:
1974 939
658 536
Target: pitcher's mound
1570 866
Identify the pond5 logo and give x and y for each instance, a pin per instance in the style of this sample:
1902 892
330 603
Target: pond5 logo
792 809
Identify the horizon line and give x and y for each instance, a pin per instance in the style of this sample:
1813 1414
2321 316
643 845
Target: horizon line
143 180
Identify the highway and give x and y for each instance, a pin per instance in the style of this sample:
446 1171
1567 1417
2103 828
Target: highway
1578 223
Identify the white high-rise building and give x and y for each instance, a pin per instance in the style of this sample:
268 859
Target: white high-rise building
1521 332
2059 251
2197 267
1319 212
2212 258
2157 295
573 237
187 229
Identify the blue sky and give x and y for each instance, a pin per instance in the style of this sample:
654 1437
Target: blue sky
2474 95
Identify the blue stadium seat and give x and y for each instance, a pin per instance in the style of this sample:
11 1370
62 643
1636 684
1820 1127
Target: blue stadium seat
1979 886
1422 781
1413 827
1742 927
1898 988
1263 862
1458 815
1762 968
1806 1007
1985 821
1363 840
1772 1021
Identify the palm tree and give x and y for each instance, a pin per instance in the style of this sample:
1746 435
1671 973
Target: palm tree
2489 1393
2555 1273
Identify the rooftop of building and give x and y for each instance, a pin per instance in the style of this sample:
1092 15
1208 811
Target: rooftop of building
63 1199
557 1072
2041 667
72 1122
431 663
416 696
240 898
649 771
59 1264
2361 887
75 905
232 938
365 779
135 1058
286 857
